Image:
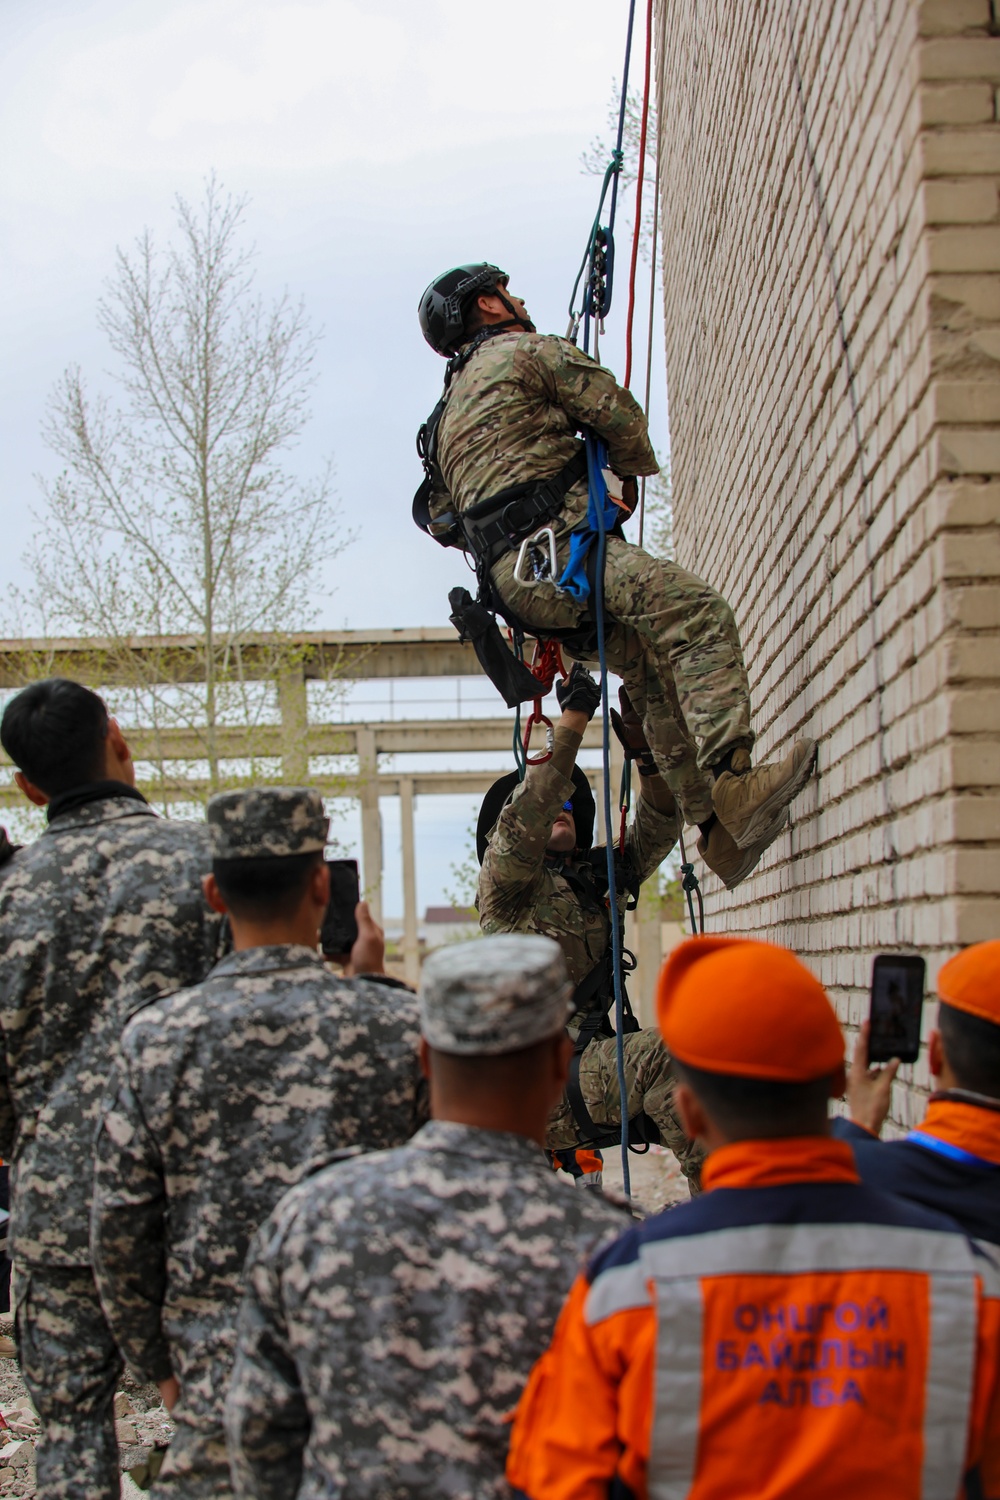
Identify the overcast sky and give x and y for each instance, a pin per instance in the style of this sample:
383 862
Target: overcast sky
379 143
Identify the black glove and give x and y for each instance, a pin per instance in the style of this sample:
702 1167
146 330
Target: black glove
579 692
628 727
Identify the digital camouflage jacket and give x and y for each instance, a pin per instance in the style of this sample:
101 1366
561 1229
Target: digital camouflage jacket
512 414
227 1094
395 1306
524 889
101 913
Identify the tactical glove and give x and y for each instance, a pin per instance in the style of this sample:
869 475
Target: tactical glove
628 727
579 692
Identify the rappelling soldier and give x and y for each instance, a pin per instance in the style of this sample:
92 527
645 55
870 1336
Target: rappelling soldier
503 463
540 874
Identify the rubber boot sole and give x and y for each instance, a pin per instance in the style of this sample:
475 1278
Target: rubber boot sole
727 860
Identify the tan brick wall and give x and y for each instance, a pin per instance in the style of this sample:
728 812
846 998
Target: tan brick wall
865 583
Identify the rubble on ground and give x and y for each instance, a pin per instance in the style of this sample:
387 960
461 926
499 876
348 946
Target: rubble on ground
142 1426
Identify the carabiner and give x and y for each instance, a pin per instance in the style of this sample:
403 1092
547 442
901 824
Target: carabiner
537 717
543 567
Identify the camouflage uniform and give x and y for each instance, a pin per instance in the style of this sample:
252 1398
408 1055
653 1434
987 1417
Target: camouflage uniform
102 912
396 1303
226 1095
511 416
523 889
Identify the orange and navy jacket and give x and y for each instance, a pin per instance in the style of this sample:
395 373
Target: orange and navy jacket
791 1334
951 1162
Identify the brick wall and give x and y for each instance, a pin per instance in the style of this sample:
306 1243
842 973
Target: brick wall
831 174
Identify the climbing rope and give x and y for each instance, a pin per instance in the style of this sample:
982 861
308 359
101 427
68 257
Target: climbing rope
599 257
598 502
597 267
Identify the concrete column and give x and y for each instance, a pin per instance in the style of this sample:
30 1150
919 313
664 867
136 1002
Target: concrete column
294 709
371 822
411 948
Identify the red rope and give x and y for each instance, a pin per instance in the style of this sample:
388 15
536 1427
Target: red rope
638 197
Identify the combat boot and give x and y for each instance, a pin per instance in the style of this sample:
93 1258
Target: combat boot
752 800
724 856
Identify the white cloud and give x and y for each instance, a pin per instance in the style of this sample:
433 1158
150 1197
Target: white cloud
303 86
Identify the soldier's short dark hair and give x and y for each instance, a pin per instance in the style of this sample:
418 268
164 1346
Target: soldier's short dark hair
54 732
254 889
972 1050
758 1106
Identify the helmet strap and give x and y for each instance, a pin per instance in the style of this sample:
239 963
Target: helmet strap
516 321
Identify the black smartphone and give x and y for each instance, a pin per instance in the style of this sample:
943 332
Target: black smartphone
896 1004
339 931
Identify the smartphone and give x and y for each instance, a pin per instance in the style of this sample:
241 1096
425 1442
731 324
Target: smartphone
896 1003
339 931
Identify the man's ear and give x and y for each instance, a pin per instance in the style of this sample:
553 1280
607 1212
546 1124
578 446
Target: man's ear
935 1053
31 791
425 1057
118 762
213 895
694 1121
319 884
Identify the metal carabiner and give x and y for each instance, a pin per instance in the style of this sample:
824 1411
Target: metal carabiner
544 568
537 717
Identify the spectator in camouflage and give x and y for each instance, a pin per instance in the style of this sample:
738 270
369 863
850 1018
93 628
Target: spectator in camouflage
226 1094
395 1303
101 913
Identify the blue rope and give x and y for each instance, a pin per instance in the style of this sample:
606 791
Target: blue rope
598 500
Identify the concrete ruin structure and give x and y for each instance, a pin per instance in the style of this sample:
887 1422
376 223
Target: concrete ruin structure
831 261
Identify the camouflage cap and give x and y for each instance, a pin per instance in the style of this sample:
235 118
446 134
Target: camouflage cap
494 995
267 821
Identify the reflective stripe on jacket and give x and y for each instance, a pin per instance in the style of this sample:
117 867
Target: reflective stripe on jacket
950 1163
790 1335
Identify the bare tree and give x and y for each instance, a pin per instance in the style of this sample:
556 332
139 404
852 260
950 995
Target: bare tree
173 514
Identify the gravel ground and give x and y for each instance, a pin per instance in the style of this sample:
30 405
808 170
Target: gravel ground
656 1177
142 1424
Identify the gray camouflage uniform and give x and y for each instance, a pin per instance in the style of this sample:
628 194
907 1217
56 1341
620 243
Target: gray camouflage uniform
226 1095
395 1304
100 913
524 889
511 416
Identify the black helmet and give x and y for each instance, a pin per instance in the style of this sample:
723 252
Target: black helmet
501 791
443 304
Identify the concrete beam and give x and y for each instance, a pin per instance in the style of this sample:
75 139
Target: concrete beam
357 654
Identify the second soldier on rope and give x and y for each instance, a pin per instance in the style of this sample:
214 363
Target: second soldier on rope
540 874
